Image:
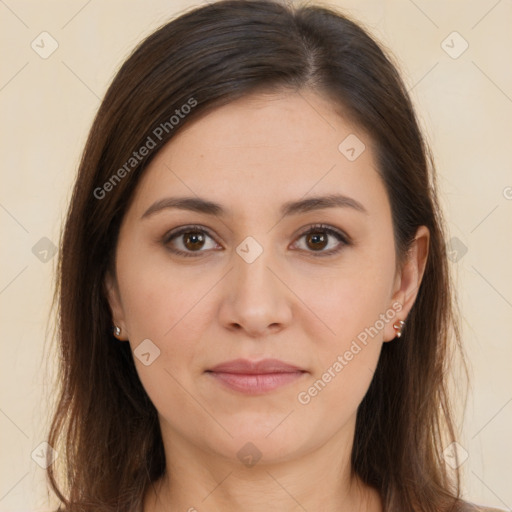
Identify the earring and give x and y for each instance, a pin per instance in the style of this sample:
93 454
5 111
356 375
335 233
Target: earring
399 328
117 331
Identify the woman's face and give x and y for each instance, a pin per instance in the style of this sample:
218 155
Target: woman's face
250 283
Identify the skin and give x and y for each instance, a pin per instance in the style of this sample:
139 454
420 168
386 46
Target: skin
251 156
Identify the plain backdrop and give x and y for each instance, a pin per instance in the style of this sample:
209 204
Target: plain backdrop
454 56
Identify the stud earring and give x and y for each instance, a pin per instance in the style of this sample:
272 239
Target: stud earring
399 328
117 331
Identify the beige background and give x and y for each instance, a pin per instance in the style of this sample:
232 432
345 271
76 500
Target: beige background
47 106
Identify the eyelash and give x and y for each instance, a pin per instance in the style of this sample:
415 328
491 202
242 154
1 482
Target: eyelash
345 241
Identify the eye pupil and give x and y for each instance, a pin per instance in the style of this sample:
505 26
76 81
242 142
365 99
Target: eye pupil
317 238
193 240
196 240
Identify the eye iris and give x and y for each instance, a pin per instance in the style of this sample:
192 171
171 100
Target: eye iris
317 238
196 240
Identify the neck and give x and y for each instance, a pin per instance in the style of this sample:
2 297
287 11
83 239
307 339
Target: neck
196 480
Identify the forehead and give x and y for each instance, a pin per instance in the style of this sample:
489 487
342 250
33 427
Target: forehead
264 149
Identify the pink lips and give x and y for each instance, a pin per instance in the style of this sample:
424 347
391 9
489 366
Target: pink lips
255 377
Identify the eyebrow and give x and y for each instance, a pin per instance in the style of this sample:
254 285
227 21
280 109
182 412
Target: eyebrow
200 205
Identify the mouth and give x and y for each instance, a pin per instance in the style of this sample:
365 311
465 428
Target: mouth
255 377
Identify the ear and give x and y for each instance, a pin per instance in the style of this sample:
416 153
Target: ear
114 300
408 280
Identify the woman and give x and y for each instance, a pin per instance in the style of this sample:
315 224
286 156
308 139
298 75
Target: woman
254 298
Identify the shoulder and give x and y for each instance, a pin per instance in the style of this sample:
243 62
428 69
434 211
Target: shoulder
465 506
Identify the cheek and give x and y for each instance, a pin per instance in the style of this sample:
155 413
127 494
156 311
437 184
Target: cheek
334 395
158 305
169 305
163 307
157 294
350 301
354 303
346 358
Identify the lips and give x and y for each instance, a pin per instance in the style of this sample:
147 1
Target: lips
244 366
255 377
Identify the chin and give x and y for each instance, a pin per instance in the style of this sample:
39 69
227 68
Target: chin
255 442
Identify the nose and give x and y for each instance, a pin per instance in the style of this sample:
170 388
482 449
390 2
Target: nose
255 298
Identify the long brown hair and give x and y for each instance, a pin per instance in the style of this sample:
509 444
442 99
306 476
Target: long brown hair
105 427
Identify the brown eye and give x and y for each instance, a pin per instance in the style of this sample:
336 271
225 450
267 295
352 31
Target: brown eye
193 240
189 240
316 240
319 237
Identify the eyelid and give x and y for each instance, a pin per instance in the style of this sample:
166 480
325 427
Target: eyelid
175 233
185 229
343 238
328 228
